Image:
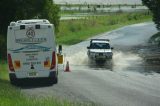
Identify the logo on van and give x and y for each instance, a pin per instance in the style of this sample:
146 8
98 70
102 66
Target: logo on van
30 32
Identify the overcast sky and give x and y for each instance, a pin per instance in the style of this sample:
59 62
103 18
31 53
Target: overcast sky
98 1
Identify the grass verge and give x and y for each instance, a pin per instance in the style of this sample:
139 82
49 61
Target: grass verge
75 31
12 96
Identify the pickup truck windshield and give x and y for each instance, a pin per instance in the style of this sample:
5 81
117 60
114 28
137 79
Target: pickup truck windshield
100 46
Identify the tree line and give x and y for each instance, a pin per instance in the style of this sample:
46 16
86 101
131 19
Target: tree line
13 10
154 7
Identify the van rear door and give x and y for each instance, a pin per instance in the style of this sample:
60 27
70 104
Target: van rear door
33 47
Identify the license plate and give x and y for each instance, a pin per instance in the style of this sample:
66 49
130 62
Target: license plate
32 74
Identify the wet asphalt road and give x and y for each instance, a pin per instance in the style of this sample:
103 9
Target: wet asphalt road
128 82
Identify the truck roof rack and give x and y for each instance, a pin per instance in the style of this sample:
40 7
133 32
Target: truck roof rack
99 40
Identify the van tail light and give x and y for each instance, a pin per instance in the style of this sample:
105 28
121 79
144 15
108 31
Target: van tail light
53 64
10 63
17 64
47 63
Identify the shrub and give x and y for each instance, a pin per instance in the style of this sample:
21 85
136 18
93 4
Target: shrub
3 47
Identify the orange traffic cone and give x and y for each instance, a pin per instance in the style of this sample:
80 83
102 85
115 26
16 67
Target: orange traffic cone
67 67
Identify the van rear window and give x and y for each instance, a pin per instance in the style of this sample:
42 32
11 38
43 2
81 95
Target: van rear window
32 36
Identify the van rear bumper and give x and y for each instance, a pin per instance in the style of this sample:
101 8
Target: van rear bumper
52 74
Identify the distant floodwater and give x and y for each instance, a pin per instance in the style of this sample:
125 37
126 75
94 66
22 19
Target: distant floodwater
98 1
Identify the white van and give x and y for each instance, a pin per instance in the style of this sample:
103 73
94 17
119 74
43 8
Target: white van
31 50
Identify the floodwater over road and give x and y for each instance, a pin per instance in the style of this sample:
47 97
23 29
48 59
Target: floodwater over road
127 42
128 82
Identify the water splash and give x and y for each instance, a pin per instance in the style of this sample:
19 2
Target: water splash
126 59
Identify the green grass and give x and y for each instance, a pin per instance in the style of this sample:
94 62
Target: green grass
75 31
3 70
12 96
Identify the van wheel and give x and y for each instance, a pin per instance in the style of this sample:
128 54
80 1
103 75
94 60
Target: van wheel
56 80
53 80
57 72
13 81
